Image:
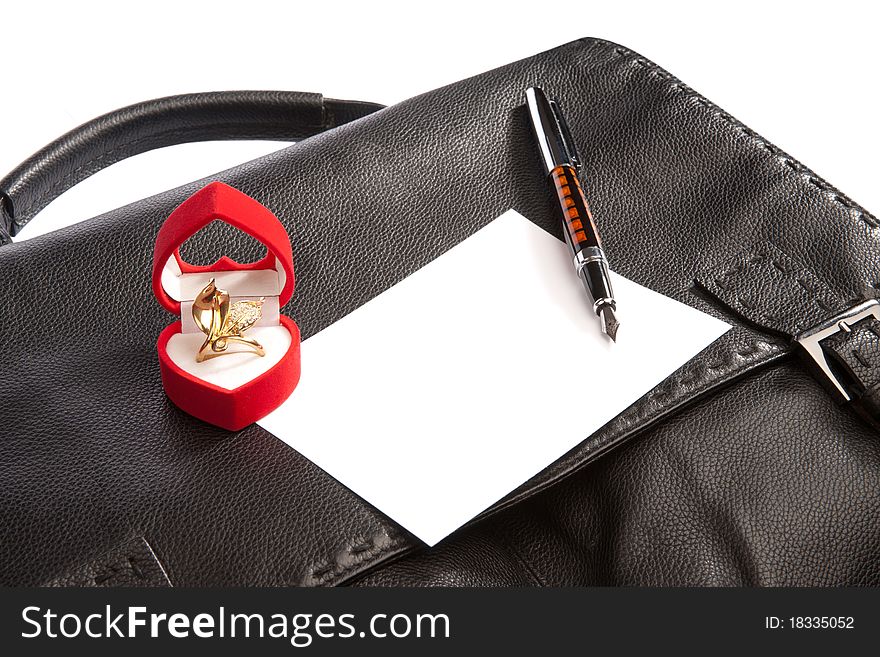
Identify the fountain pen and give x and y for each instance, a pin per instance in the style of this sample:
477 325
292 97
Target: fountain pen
561 165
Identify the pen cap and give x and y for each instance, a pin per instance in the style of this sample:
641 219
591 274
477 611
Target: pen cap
551 132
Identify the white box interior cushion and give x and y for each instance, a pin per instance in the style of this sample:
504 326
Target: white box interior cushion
234 369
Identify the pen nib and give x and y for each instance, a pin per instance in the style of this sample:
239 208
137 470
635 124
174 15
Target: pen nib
609 322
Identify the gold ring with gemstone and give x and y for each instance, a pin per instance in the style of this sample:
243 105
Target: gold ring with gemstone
224 322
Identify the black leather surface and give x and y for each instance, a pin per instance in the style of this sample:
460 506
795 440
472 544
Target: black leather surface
278 115
738 470
131 564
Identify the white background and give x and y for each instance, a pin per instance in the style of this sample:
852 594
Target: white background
802 74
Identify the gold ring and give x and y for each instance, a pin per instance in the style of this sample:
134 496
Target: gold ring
223 322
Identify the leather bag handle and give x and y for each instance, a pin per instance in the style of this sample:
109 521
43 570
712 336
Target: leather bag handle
222 115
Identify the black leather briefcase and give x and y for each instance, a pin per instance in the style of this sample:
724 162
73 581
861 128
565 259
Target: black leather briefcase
755 464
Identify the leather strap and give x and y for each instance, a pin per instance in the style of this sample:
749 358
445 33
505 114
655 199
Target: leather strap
5 223
225 115
857 354
770 289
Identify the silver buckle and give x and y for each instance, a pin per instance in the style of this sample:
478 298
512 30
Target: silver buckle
811 339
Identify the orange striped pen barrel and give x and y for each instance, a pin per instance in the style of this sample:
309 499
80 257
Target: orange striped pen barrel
576 216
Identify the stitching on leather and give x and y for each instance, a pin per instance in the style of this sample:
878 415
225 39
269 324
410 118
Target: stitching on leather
679 87
859 357
747 303
137 560
824 306
782 268
114 568
358 553
806 287
690 381
752 309
787 270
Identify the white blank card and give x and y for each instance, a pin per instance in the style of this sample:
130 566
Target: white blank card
447 391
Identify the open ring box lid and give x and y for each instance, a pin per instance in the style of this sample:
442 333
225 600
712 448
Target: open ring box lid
236 389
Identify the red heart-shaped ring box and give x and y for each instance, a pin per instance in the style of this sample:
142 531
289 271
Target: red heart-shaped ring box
233 390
